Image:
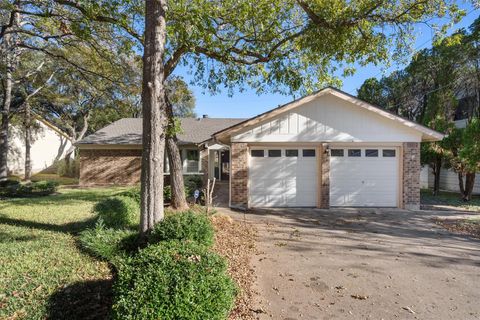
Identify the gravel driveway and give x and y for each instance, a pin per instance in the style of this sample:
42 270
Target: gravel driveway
363 264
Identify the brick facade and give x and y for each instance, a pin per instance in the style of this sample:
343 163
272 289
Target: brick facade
325 177
411 175
110 167
239 175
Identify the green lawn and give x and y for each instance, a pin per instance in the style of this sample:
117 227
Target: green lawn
43 272
450 199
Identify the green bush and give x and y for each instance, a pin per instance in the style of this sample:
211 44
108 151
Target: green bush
12 188
133 193
184 226
106 243
192 183
174 280
72 169
118 212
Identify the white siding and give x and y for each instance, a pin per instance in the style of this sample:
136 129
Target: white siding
43 152
328 119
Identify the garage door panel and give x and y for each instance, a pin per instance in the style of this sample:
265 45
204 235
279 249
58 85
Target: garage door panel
363 181
282 181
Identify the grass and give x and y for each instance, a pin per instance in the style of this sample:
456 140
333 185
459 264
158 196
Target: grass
450 199
43 272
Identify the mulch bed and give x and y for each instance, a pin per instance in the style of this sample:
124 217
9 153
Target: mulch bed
463 226
236 241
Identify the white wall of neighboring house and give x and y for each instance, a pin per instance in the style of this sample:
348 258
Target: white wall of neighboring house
46 146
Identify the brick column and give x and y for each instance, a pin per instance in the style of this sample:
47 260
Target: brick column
324 175
239 175
411 175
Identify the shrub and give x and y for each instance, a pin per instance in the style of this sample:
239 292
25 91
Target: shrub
133 193
106 243
175 280
192 183
118 212
184 226
72 169
12 188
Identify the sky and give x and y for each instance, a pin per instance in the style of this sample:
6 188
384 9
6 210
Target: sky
247 104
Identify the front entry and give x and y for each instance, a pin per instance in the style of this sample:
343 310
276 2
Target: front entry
224 165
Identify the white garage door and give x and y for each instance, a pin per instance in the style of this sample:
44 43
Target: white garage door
364 177
282 177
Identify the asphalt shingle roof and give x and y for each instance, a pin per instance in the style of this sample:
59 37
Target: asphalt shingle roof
129 131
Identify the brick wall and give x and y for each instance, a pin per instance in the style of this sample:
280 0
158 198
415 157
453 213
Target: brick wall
239 176
325 178
108 167
411 175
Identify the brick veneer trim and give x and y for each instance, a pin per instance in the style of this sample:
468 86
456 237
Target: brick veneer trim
239 175
411 175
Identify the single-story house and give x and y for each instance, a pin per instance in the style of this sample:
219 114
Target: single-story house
326 149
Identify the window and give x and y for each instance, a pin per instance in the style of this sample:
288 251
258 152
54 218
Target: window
354 152
388 153
291 153
308 152
336 153
274 153
192 160
371 153
257 153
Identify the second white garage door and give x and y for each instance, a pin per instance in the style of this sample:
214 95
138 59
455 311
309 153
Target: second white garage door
281 177
364 177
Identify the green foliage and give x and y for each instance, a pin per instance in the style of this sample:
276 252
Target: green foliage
133 193
69 169
118 212
192 183
470 152
104 242
12 188
173 280
184 226
167 193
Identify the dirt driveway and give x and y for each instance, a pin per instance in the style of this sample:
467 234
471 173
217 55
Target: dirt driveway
363 264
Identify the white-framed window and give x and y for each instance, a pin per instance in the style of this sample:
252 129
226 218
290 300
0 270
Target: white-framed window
192 160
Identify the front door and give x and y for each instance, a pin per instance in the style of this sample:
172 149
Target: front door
225 165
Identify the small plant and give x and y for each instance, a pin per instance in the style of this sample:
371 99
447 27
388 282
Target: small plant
174 280
106 243
118 212
167 193
192 183
184 226
133 193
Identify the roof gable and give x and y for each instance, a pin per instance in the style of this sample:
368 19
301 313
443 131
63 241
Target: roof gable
376 113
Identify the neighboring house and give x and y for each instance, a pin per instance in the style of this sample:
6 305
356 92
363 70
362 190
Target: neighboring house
49 144
325 149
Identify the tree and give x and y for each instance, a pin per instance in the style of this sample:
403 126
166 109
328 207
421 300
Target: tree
180 97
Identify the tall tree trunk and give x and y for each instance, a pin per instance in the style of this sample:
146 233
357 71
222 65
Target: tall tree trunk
28 142
179 201
469 184
436 173
154 115
461 184
7 100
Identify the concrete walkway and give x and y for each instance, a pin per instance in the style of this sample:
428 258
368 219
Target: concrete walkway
363 264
